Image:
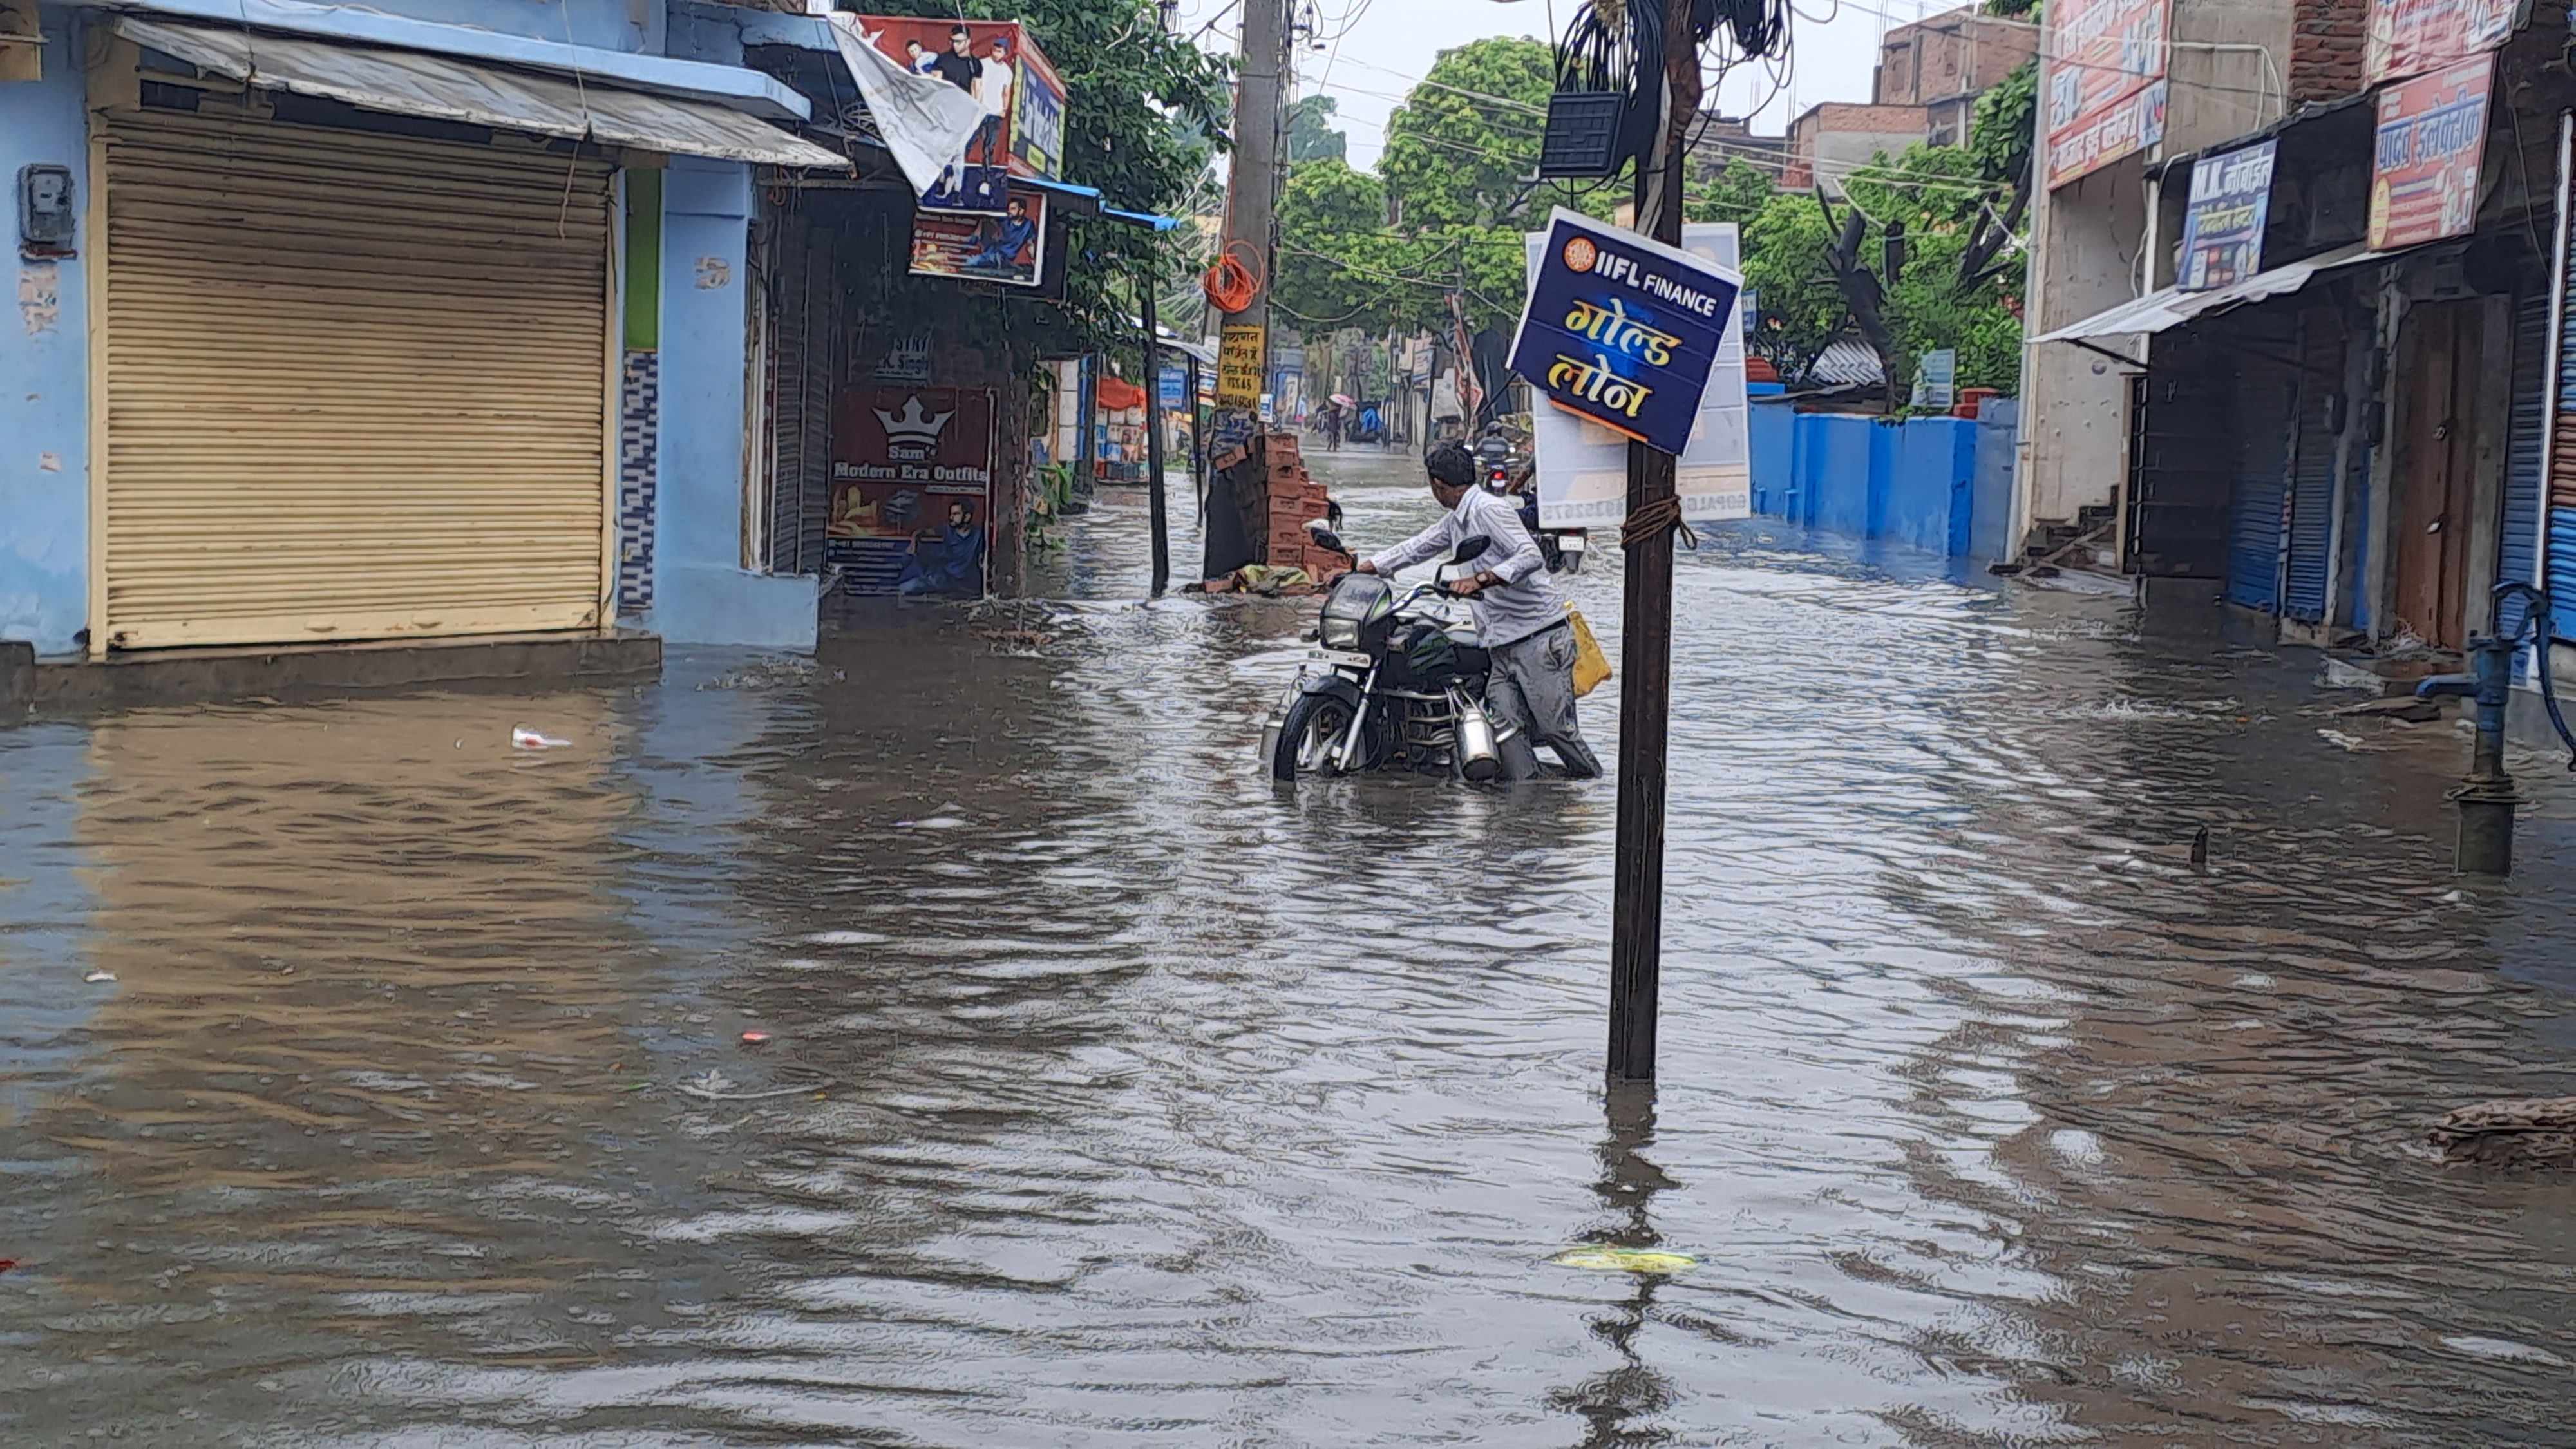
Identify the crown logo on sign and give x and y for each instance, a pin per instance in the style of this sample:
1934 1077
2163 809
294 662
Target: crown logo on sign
916 425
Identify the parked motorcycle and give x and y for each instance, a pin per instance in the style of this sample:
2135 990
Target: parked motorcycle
1397 681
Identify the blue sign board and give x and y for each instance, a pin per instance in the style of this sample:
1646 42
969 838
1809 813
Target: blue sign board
1175 385
1623 330
2222 234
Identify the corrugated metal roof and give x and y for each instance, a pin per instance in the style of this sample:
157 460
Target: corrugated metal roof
411 83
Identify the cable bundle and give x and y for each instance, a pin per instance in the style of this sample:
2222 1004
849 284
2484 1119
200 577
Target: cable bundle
1235 281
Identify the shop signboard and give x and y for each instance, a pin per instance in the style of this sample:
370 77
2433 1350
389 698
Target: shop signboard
2424 169
1239 357
2106 83
1623 331
2222 233
995 62
2410 37
912 484
1009 249
1172 382
1583 466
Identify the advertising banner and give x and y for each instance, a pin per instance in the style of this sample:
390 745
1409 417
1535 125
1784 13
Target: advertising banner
2410 37
1583 467
1019 101
912 482
2106 93
2424 169
1623 331
1239 358
1009 249
2222 233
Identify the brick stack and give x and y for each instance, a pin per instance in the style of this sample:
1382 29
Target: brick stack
1294 499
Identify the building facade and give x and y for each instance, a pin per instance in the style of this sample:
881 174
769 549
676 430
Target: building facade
1944 62
2296 345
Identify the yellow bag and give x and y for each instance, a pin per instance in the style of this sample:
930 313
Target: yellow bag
1591 666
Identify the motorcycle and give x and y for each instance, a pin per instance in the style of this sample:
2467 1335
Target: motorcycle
1397 680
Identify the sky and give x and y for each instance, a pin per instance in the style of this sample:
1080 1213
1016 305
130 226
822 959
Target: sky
1374 50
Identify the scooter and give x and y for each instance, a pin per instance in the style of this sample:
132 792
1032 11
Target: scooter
1397 681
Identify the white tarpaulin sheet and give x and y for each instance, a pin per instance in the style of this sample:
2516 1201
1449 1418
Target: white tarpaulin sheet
1583 466
409 83
2172 307
924 120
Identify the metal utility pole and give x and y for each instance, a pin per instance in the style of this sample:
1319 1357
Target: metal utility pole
1646 636
1154 429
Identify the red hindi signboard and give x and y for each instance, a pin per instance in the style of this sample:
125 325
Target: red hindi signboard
2424 170
2106 93
2410 37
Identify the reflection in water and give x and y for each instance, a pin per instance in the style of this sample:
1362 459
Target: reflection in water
1620 1405
1112 1097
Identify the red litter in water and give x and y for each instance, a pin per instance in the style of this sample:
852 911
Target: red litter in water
7 1263
754 1038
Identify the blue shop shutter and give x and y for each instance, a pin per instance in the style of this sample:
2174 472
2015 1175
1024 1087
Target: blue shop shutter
2562 567
2312 477
2518 542
2265 400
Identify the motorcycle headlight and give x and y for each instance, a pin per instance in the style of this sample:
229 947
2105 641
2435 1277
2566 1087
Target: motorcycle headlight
1335 633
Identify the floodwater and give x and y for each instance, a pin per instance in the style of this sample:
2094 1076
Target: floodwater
1112 1098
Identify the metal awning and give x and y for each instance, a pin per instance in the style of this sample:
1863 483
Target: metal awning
410 83
2171 307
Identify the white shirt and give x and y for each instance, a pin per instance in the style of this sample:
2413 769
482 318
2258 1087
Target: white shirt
993 87
1521 601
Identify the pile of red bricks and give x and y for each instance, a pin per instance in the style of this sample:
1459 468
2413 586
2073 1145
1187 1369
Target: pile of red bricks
1295 498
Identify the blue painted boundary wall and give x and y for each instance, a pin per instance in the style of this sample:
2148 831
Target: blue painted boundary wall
1943 485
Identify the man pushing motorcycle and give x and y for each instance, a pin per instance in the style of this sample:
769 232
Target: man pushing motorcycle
1520 618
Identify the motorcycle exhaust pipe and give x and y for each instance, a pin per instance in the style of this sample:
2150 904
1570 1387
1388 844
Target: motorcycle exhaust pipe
1478 757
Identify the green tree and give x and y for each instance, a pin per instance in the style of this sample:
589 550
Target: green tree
1461 148
1736 192
1311 136
1939 201
1332 247
1798 309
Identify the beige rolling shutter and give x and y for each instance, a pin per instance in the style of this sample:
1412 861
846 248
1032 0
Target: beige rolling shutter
356 385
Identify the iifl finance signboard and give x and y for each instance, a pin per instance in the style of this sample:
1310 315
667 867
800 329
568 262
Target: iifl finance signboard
1623 331
2424 167
2106 83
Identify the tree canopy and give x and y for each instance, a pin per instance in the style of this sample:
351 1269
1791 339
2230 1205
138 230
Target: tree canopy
1311 136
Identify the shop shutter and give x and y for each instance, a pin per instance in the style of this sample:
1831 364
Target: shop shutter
802 369
2518 540
2312 473
357 385
2266 403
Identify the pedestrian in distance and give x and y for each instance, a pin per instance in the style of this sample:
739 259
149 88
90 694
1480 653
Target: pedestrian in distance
1520 618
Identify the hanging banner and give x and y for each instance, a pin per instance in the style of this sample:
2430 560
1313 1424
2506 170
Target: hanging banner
1582 467
2222 233
2105 79
1240 353
1013 122
1009 249
2410 37
924 122
2424 170
1623 331
912 480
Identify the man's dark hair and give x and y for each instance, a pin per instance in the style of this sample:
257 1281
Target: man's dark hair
1451 465
957 30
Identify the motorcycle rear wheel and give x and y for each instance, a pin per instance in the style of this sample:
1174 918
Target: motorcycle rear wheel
1312 730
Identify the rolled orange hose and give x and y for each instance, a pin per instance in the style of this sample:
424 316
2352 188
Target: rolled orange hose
1234 282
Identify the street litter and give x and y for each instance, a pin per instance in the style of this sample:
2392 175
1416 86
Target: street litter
755 1038
1625 1260
715 1086
2517 1132
528 739
2342 741
98 976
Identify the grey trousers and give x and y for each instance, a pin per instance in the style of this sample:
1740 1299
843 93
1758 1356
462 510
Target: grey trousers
1533 686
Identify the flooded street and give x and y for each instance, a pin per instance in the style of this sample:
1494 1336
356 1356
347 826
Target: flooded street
365 1081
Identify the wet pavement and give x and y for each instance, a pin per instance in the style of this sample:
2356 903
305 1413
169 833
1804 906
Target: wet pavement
365 1081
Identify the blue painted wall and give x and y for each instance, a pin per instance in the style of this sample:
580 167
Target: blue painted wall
44 368
701 592
1943 485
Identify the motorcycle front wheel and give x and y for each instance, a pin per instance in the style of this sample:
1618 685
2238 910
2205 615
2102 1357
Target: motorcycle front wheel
1314 727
